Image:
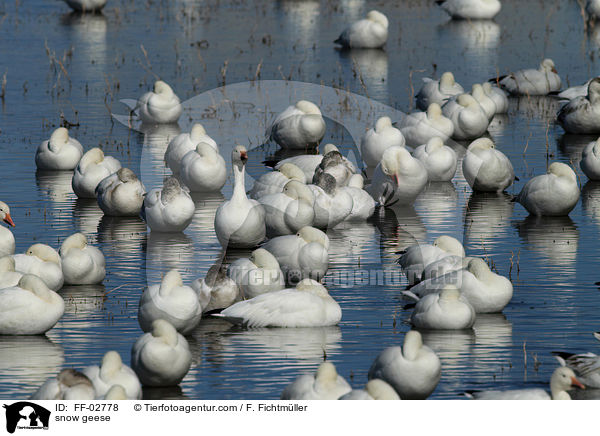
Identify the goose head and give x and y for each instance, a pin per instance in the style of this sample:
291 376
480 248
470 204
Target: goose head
197 132
450 293
547 66
326 374
382 124
594 90
467 101
481 144
164 331
298 191
44 252
447 80
596 148
380 390
292 172
125 175
434 111
171 189
433 144
5 214
478 268
111 363
329 148
560 169
378 17
116 392
394 160
311 234
309 108
264 259
477 92
35 285
412 345
239 156
562 380
204 149
76 240
59 138
449 245
171 280
161 88
487 87
7 264
94 155
313 287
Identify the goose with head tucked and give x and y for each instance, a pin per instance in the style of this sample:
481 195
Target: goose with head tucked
171 301
552 194
487 104
240 222
468 117
115 393
203 169
257 275
290 210
299 127
29 308
573 92
438 91
121 194
42 261
325 384
487 169
438 159
542 81
8 276
446 310
184 143
419 127
471 9
169 209
378 139
60 152
111 372
69 384
398 178
498 96
93 167
82 264
332 205
370 32
309 163
159 106
374 390
86 5
273 182
582 114
161 357
307 305
413 371
217 290
303 255
336 165
363 204
592 9
7 239
590 160
585 365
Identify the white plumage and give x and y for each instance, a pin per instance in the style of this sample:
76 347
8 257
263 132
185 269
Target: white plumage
487 169
93 167
82 264
370 32
532 82
325 384
419 127
378 139
438 91
298 127
169 209
159 106
60 152
113 372
121 194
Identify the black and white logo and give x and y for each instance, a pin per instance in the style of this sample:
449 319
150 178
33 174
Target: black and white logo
26 415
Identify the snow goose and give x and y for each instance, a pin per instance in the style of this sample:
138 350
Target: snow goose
86 5
413 370
274 181
471 9
290 210
303 255
115 393
121 194
336 165
582 114
487 169
42 261
169 209
562 380
113 372
419 127
216 291
309 163
69 384
7 239
438 91
93 167
29 308
399 178
552 194
257 275
203 169
299 127
467 116
531 82
592 8
82 264
374 390
487 104
159 106
378 139
325 384
332 205
590 160
585 365
498 96
363 204
184 143
60 152
162 357
8 276
574 91
438 159
370 32
171 301
446 310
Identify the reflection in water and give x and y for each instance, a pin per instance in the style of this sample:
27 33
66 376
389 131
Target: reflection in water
349 241
89 30
539 107
87 215
493 341
487 218
122 239
590 200
438 204
371 65
164 393
301 21
167 251
571 147
498 124
55 185
478 39
152 163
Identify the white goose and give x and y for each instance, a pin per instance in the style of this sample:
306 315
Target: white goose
86 5
203 169
93 167
216 291
171 301
299 127
438 159
7 239
82 264
8 276
69 384
325 384
532 82
552 194
592 8
471 9
363 204
290 210
309 163
399 178
169 209
590 160
60 152
413 370
332 205
419 127
162 357
487 169
42 261
184 143
486 102
374 390
274 181
336 165
159 106
240 222
438 91
378 139
303 255
468 117
29 308
370 32
121 194
307 305
446 310
585 365
582 114
257 275
498 96
574 91
562 380
113 372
